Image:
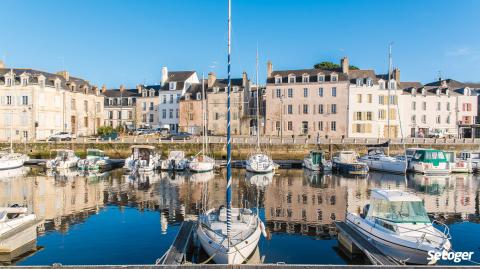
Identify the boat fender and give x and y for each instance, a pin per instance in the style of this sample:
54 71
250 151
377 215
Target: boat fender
262 227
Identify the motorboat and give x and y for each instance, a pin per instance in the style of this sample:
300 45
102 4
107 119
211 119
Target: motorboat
473 158
65 159
95 160
144 159
376 159
201 163
246 229
259 180
429 161
397 223
457 165
176 161
346 162
12 160
315 161
13 217
260 163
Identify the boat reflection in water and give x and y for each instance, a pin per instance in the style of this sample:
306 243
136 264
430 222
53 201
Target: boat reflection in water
296 205
259 180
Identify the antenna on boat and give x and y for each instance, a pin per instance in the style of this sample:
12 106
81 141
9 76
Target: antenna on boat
258 102
229 142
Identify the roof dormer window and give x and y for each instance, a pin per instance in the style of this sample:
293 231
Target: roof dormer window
72 87
438 92
466 91
291 78
199 96
334 77
359 82
414 91
8 82
152 93
305 78
392 84
424 92
278 79
381 83
172 85
216 89
370 82
321 77
235 88
447 92
41 81
24 81
144 93
57 83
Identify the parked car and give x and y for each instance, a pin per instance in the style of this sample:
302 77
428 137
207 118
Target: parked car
162 131
141 131
61 136
180 136
113 136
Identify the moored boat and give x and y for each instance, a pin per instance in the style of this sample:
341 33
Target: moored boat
376 159
398 224
65 159
472 158
175 161
259 163
13 217
12 160
144 159
429 161
94 160
457 165
346 162
316 161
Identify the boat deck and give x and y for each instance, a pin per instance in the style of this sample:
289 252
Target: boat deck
177 252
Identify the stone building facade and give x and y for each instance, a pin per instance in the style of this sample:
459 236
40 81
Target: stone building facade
40 104
120 107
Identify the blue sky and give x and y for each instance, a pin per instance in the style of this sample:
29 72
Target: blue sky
127 42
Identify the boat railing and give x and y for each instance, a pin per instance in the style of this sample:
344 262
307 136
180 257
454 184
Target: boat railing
446 229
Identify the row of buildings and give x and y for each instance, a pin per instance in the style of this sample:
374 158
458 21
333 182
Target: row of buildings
309 102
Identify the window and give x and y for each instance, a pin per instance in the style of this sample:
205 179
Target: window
144 106
278 93
170 113
277 125
172 85
334 78
414 119
369 98
321 78
119 115
290 109
320 109
334 108
8 82
424 105
150 118
24 81
305 79
333 125
176 113
438 119
358 115
369 115
382 115
144 118
448 106
305 92
320 125
467 107
290 126
320 92
130 115
439 106
414 105
369 83
359 82
334 91
24 100
305 109
171 98
359 98
278 80
381 99
178 97
290 93
85 122
151 106
85 106
164 113
424 119
164 98
199 96
447 120
291 79
9 100
393 99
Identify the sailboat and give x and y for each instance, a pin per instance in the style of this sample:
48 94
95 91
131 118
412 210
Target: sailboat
202 162
376 159
259 162
10 159
229 235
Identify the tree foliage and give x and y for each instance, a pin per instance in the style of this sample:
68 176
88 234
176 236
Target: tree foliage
105 130
332 66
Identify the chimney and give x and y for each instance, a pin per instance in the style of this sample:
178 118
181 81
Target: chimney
104 88
244 79
211 79
64 74
396 74
2 65
164 75
345 65
269 69
139 88
95 90
122 88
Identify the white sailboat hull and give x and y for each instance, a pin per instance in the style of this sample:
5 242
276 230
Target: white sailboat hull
259 163
199 166
386 164
9 163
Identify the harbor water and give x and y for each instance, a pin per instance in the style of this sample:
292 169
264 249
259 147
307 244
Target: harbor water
112 218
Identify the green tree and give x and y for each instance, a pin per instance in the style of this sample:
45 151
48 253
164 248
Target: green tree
105 130
332 66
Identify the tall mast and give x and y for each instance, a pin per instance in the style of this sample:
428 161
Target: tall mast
229 156
388 87
204 117
11 113
258 102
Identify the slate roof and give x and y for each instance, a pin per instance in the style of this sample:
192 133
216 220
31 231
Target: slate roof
353 75
454 84
118 93
454 87
311 72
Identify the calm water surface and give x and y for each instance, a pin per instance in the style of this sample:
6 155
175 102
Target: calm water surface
111 218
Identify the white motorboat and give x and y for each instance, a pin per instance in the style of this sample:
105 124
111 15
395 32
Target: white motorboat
65 159
472 158
346 162
95 160
246 229
176 161
202 162
315 161
429 161
260 163
457 165
14 217
397 222
229 235
144 159
377 160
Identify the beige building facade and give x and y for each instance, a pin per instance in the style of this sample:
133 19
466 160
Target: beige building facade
40 104
308 102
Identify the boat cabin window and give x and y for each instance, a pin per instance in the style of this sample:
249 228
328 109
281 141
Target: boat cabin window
399 211
475 155
429 155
